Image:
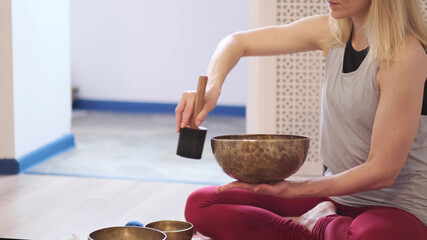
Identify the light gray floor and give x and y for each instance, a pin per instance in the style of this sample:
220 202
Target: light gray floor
44 207
137 146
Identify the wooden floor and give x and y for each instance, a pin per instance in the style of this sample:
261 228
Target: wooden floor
53 207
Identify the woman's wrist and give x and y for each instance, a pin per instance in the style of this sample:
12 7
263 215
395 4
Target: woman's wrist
214 88
305 188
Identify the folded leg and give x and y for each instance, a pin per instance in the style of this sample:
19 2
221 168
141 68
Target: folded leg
373 223
240 214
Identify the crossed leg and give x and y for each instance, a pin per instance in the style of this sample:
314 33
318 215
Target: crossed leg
240 214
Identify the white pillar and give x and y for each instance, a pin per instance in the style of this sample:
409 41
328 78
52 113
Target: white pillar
260 117
7 142
35 87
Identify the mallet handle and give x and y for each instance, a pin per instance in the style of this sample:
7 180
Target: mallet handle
200 95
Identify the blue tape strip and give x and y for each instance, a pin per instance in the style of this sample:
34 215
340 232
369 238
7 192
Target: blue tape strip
126 178
15 166
144 107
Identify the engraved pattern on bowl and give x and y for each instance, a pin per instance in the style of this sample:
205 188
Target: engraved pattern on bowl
258 158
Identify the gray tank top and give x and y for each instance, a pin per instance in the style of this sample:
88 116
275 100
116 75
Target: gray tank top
349 103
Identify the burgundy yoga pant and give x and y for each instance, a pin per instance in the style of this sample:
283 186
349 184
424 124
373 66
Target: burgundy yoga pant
242 215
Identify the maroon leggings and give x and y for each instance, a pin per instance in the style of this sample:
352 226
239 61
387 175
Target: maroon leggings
239 214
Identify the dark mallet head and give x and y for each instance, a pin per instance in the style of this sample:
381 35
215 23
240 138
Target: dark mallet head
192 139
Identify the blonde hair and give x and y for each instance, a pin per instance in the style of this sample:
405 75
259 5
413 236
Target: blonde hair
387 25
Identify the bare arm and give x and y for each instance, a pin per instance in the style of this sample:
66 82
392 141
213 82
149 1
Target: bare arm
303 35
395 127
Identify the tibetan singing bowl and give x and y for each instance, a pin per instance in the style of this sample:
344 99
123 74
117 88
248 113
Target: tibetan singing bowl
127 233
260 158
174 230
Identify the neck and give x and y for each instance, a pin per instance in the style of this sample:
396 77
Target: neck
359 39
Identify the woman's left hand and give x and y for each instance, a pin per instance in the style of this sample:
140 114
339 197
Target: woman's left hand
279 189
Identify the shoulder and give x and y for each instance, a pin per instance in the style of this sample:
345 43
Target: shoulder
318 24
321 20
412 53
409 64
324 33
317 28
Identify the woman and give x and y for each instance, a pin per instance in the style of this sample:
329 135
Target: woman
373 137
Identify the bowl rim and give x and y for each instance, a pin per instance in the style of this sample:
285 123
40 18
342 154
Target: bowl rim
177 231
296 137
118 227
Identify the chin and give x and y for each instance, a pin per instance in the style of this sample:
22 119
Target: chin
337 15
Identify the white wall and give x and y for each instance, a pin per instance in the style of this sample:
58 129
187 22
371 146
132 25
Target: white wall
151 51
41 73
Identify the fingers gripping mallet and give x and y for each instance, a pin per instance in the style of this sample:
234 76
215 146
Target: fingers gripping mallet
192 139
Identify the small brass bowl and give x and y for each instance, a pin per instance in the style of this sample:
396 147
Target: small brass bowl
127 233
260 158
174 230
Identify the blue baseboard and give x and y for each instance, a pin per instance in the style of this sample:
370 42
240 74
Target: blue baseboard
144 107
16 166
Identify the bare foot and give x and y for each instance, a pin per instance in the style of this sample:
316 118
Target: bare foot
310 218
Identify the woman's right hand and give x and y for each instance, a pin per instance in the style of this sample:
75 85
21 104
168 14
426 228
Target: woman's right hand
185 108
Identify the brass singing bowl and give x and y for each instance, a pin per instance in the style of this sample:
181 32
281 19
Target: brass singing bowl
260 158
127 233
174 230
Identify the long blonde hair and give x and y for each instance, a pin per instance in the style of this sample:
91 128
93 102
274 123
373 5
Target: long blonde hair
387 25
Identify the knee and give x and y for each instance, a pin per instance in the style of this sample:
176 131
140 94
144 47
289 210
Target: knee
197 201
389 232
367 232
380 232
387 223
